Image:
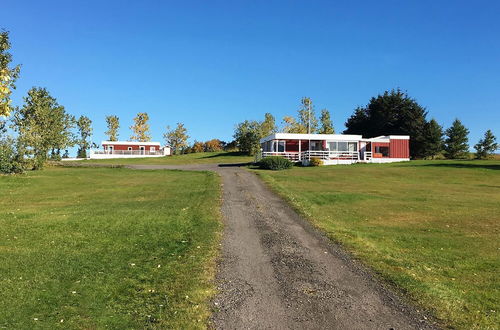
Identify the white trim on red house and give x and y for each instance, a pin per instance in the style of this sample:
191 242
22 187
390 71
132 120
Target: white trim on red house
154 150
351 148
296 136
133 143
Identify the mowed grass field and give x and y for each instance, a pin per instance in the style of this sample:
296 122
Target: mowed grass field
101 248
194 158
430 227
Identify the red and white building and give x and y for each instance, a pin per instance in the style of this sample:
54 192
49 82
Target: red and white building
128 149
337 148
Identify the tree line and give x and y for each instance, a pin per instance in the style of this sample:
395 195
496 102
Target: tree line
44 130
395 112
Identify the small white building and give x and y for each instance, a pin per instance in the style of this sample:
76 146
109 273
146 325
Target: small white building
130 149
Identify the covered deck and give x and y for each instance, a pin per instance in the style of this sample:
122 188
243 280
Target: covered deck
335 148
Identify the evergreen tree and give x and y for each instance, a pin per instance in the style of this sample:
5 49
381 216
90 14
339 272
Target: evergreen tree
486 146
393 112
326 123
433 139
456 143
113 123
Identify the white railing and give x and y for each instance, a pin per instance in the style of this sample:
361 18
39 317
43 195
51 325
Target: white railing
293 156
328 155
128 152
321 154
368 155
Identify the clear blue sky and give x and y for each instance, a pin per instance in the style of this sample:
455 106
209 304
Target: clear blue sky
212 64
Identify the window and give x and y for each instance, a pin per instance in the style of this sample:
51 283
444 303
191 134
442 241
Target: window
343 146
278 146
129 148
382 150
152 149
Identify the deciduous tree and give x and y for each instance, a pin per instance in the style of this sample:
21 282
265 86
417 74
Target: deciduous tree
486 146
198 146
177 138
84 125
140 128
268 126
213 145
290 125
247 135
456 143
307 118
8 75
42 125
326 123
113 123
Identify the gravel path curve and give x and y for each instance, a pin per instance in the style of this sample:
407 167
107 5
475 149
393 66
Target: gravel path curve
277 272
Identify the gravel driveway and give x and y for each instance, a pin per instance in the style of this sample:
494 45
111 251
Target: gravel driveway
277 272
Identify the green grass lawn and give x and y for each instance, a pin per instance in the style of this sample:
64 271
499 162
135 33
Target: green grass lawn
430 227
99 247
195 158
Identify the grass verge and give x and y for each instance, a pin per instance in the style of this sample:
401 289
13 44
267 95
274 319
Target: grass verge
430 227
194 158
98 247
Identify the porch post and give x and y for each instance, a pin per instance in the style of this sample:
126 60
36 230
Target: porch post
300 150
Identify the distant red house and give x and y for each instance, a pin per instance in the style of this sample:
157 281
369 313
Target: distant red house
130 149
337 148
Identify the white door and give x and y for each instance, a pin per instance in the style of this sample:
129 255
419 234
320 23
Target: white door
362 149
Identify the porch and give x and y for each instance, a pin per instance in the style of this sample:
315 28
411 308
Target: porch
328 157
110 153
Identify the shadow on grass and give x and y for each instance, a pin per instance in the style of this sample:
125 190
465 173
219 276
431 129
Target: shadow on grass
463 164
227 154
235 164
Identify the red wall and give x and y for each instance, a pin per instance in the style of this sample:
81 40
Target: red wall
293 145
399 149
134 147
380 144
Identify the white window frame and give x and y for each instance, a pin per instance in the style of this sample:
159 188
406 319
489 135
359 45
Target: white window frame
276 145
347 144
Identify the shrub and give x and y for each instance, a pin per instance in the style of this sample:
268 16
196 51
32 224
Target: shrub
275 163
315 161
9 157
